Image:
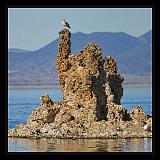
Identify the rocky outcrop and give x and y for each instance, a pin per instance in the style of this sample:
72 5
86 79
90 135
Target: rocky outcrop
55 121
91 104
113 85
62 62
88 81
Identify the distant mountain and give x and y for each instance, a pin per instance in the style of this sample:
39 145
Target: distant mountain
17 50
147 36
133 55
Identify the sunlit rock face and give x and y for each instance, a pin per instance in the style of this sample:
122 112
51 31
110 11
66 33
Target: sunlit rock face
113 85
88 81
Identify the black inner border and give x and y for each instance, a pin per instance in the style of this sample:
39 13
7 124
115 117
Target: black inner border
4 68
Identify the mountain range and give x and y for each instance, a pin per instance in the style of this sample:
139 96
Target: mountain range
133 55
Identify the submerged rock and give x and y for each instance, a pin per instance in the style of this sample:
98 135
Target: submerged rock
91 105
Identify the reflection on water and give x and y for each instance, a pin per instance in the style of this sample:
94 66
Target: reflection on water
79 145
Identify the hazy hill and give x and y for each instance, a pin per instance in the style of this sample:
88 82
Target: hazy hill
133 55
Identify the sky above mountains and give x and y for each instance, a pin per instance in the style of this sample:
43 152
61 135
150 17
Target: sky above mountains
32 29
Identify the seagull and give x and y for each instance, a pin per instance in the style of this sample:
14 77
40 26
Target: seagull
65 24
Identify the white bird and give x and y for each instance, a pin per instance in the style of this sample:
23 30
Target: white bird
147 127
65 24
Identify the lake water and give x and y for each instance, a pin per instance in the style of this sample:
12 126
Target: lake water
22 102
79 145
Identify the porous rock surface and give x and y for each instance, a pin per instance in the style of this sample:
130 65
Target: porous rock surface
91 106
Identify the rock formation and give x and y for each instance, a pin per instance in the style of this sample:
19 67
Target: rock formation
89 82
91 104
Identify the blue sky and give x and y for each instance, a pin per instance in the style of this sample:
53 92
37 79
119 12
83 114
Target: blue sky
33 28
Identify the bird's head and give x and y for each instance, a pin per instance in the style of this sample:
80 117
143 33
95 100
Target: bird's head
62 20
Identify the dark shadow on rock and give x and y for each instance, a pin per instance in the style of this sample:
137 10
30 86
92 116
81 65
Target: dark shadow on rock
126 116
51 116
99 91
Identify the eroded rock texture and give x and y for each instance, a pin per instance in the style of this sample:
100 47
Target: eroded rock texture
113 85
88 81
91 104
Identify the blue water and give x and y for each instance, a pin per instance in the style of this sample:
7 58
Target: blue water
22 102
138 96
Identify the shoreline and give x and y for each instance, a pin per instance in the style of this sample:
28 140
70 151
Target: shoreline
37 87
73 138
